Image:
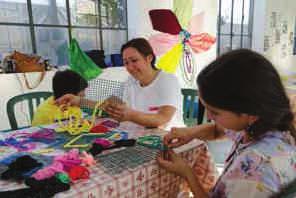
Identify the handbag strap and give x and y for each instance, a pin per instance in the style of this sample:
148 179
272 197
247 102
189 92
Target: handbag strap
41 77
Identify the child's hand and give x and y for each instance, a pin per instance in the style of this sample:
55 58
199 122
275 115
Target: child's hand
68 100
175 164
177 137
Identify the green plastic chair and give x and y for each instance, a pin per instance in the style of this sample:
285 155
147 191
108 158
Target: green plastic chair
30 97
189 102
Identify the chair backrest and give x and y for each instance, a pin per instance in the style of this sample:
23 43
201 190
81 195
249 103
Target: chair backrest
29 97
190 106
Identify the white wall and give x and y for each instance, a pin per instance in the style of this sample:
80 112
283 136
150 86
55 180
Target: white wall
258 25
273 34
139 25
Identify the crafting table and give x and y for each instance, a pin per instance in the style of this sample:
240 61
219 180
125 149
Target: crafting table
129 172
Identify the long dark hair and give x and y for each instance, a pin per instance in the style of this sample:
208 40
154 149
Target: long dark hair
142 46
243 81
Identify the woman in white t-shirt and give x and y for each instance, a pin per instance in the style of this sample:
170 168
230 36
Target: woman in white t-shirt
152 98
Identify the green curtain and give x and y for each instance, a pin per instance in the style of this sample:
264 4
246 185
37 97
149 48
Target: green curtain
81 63
183 11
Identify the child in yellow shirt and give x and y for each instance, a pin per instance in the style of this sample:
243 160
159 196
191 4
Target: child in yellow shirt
63 82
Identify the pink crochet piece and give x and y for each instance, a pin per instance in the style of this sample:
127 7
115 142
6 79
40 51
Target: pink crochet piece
69 159
87 159
103 142
49 171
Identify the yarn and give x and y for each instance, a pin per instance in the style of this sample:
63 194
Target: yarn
103 142
46 188
128 142
87 159
49 171
96 149
110 124
43 135
23 193
63 177
69 159
78 172
99 129
19 145
19 167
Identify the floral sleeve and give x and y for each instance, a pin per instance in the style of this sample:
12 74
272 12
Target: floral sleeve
250 175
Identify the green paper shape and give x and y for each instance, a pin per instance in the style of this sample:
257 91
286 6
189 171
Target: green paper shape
183 11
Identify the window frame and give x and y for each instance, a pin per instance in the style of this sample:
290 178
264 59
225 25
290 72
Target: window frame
69 25
231 34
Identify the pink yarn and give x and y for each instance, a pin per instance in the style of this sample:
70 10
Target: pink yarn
43 133
69 159
103 142
87 159
49 171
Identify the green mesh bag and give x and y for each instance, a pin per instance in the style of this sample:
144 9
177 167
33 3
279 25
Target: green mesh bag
81 63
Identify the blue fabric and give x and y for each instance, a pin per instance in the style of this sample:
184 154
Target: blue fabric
116 59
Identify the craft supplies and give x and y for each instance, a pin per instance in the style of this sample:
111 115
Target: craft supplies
78 172
99 129
152 141
103 144
63 177
43 151
76 124
118 135
110 124
87 159
83 140
20 145
127 159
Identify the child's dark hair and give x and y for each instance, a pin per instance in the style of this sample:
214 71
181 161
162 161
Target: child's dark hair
67 82
142 46
243 81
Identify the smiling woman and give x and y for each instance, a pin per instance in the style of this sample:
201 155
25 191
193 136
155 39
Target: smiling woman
153 98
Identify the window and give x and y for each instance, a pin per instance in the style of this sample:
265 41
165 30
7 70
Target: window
234 25
45 27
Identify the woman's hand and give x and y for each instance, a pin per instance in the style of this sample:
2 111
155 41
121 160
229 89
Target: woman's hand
68 100
177 137
175 164
118 111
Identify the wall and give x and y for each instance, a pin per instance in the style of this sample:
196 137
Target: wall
274 34
139 25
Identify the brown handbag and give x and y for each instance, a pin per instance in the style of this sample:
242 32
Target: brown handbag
26 63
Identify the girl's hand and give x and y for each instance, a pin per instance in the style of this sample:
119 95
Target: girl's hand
177 137
68 100
175 164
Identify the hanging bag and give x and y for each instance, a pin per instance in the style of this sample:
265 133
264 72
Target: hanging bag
81 63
